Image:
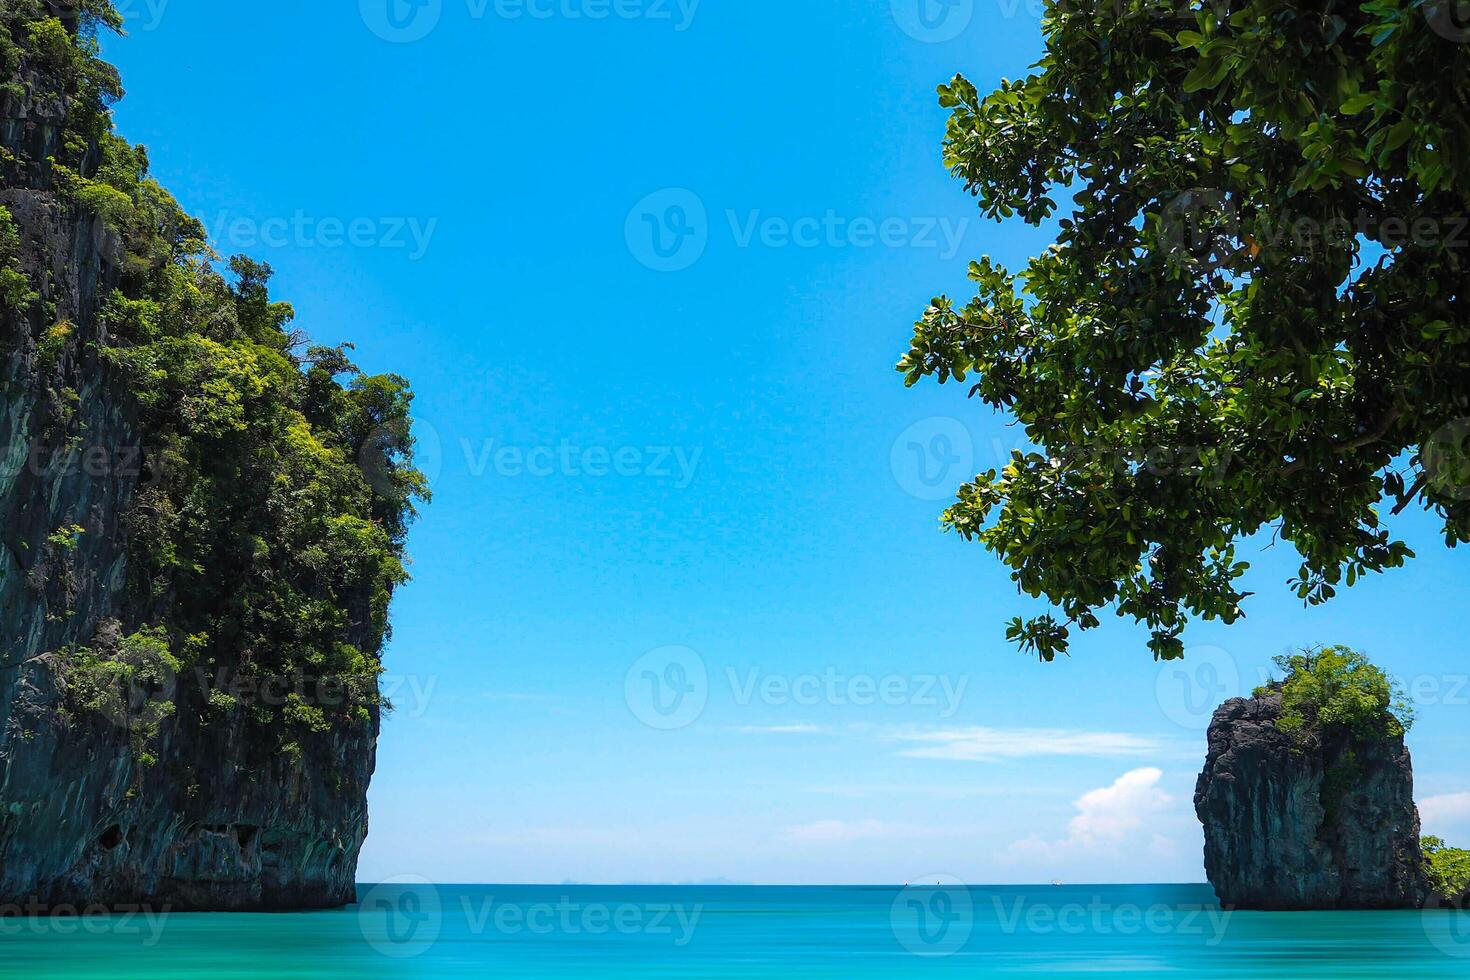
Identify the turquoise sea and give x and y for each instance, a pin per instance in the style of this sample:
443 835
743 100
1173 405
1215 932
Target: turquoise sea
938 929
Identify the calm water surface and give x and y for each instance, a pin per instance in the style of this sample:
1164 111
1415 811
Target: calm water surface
942 929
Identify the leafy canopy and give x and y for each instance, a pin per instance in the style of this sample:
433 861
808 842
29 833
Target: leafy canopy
1448 867
1254 315
1335 689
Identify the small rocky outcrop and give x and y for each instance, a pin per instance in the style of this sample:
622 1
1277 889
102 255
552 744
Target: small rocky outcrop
1316 822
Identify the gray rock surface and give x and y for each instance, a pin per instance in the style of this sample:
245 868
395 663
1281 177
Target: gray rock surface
216 823
1292 825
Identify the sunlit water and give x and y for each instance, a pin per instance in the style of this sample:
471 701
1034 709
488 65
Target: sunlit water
939 929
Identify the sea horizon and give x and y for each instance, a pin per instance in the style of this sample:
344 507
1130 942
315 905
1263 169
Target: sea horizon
365 883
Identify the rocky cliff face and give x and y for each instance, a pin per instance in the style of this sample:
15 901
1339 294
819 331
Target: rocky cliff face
1299 825
182 781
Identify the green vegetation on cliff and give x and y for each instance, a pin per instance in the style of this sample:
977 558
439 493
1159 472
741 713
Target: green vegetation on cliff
267 533
1336 689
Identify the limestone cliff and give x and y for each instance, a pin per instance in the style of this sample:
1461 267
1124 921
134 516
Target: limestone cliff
192 515
1294 823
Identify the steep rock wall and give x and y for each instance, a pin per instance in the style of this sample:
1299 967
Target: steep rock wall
1293 826
206 815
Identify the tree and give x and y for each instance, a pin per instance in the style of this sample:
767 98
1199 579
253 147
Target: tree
1254 315
1448 867
1334 689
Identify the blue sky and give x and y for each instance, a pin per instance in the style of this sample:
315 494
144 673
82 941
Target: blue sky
681 609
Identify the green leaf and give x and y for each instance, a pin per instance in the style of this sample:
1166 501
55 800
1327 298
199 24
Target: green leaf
1200 78
1399 135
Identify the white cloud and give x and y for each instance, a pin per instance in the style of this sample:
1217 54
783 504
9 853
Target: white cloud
1107 818
926 791
554 836
1163 847
837 831
851 831
1445 811
996 744
1111 813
